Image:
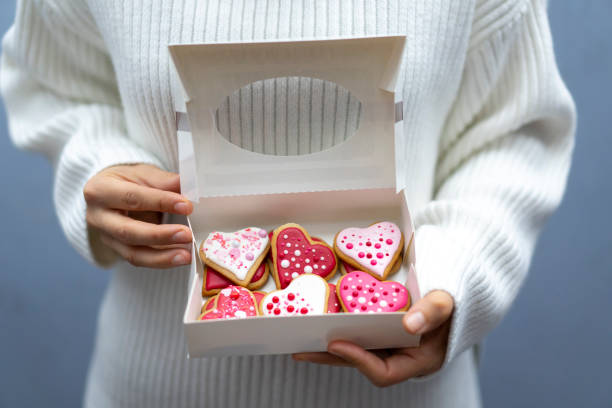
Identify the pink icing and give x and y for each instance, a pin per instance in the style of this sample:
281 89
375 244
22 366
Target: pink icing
233 302
258 297
362 293
373 247
301 256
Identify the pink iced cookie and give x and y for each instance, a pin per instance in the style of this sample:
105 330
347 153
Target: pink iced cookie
307 294
236 255
374 249
233 302
361 293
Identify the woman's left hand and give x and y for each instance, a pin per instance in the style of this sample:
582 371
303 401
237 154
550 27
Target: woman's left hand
430 317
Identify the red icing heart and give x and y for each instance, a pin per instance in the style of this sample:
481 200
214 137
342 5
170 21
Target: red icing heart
233 302
295 255
359 292
333 304
214 280
348 268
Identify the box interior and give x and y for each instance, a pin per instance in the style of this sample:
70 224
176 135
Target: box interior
352 184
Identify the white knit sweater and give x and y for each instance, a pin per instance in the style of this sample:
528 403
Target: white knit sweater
488 125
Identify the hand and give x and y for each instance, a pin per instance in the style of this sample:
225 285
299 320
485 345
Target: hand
125 204
430 317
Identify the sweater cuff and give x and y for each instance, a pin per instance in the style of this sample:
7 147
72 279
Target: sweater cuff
445 260
72 211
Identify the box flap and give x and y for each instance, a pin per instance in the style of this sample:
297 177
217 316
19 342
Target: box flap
367 67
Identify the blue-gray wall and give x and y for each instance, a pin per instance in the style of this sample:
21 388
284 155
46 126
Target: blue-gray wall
553 348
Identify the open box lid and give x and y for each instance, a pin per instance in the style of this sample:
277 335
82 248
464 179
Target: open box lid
211 166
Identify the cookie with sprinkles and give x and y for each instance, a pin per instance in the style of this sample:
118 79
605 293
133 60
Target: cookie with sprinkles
210 303
375 249
359 292
233 302
295 253
236 255
307 294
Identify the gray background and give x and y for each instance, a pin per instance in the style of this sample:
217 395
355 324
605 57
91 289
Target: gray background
553 348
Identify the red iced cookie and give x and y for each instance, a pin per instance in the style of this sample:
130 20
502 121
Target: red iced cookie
359 292
214 281
294 253
333 304
233 302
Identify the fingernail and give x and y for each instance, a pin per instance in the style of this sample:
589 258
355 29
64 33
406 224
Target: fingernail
179 260
181 207
415 322
181 237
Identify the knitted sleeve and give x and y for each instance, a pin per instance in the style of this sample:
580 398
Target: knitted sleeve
502 166
62 101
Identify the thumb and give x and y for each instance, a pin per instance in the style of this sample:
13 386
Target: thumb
429 312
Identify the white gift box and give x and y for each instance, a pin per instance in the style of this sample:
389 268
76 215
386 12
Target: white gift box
352 184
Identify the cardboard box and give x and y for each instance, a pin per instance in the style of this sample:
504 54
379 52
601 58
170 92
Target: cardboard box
354 183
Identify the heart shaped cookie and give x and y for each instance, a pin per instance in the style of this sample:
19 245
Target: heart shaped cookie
210 303
374 249
213 281
294 253
306 295
236 255
233 302
361 293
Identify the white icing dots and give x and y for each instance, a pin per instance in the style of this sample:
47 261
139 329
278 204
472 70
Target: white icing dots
297 265
383 303
361 299
294 275
297 252
285 252
307 269
288 244
285 263
285 236
307 260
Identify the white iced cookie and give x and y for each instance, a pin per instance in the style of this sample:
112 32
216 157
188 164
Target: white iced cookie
236 255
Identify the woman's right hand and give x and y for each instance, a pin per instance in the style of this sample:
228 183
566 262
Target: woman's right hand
125 204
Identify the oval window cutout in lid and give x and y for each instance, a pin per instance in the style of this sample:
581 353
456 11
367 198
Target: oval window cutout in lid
289 116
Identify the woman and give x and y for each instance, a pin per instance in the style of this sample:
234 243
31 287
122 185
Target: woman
488 124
